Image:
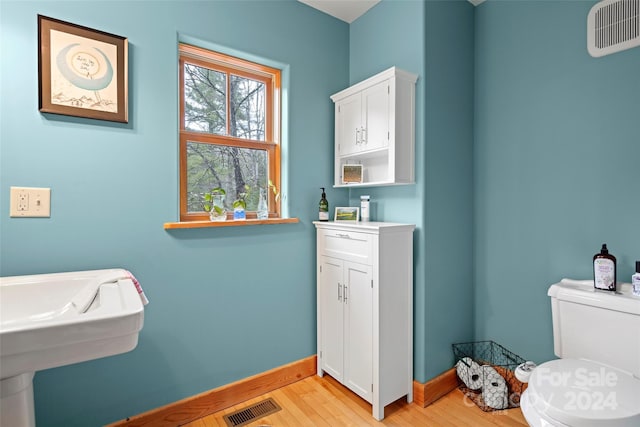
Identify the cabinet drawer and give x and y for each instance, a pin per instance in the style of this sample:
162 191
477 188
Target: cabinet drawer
347 245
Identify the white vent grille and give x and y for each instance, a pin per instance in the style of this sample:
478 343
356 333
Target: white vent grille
612 26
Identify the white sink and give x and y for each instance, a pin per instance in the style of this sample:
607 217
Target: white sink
50 320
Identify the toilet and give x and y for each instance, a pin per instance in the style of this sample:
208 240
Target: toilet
596 381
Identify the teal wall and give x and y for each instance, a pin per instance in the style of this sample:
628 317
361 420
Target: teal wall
225 303
434 40
449 181
557 146
374 46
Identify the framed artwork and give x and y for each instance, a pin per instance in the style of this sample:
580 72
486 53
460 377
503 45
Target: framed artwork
352 174
347 214
82 72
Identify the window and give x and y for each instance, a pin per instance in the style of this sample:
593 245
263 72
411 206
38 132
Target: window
229 131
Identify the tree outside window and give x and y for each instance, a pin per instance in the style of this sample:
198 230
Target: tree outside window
229 111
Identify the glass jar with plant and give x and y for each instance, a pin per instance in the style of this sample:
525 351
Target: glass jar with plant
263 204
214 204
240 206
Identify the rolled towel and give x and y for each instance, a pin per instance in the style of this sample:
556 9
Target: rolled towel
85 297
470 373
495 392
143 297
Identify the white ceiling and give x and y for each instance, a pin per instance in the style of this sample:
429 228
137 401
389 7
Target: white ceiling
350 10
347 10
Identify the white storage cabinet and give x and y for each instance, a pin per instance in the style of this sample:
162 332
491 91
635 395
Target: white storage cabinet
375 128
365 308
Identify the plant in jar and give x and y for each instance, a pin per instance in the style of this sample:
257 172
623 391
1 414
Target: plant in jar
214 204
263 203
240 205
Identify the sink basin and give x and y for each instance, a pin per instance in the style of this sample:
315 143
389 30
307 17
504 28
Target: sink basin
50 320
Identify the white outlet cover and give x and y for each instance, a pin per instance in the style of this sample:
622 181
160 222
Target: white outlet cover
29 202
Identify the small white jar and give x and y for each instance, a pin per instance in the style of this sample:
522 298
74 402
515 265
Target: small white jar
364 208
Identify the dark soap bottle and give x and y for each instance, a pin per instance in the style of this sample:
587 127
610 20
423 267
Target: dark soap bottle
323 207
604 270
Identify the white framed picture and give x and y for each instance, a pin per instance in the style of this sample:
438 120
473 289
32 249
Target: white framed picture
346 214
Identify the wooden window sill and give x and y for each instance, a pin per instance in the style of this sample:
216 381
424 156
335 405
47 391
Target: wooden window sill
205 224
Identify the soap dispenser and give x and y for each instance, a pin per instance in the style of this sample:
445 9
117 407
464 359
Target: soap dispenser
635 280
604 270
323 207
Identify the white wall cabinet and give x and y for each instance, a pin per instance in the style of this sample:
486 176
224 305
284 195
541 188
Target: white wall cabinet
362 120
375 128
365 308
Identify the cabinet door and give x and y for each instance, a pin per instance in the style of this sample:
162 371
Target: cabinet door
332 317
358 356
348 125
376 116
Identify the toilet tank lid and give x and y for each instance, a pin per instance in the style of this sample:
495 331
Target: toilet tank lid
583 292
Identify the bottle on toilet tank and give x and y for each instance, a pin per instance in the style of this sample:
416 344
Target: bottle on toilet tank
604 270
635 280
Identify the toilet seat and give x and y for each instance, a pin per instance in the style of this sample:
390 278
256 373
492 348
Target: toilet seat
581 393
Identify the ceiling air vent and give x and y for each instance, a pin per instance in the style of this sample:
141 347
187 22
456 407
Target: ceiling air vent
612 26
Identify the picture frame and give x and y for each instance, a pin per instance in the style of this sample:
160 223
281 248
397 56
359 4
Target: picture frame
346 214
352 174
82 72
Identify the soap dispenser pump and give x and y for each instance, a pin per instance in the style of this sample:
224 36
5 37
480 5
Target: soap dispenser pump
604 270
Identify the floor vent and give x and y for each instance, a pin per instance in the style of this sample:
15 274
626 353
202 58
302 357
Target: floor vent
612 26
252 413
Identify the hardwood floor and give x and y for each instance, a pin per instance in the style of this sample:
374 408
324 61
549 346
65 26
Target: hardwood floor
324 402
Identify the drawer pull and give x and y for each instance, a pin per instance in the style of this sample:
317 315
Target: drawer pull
345 236
339 292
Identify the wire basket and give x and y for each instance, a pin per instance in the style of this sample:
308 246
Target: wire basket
485 372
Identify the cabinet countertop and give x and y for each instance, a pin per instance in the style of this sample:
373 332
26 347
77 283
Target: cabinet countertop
362 226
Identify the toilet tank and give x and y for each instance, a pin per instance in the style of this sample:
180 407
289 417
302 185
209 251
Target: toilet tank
597 325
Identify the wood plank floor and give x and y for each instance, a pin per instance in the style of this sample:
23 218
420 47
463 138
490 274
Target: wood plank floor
324 402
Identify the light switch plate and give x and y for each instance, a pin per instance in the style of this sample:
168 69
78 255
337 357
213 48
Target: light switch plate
30 202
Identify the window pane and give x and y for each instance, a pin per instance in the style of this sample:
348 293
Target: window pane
236 170
247 106
204 100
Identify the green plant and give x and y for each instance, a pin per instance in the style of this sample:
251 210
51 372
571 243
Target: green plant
241 200
273 188
211 197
